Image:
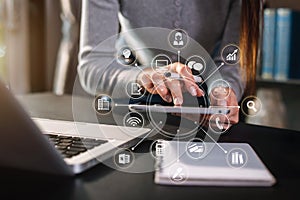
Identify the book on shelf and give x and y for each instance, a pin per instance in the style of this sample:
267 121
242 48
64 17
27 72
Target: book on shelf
280 43
268 43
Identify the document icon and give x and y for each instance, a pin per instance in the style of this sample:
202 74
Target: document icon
124 159
136 89
103 105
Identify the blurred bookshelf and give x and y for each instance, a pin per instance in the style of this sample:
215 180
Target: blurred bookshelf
280 96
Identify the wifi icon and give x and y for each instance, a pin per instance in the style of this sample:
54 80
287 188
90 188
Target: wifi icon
134 121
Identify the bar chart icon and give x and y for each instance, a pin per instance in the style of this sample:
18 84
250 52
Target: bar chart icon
232 56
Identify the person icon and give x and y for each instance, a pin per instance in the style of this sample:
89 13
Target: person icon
178 41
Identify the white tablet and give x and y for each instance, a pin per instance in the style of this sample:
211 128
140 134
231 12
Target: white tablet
179 109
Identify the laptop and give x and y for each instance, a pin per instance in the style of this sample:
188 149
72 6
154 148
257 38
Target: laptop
55 146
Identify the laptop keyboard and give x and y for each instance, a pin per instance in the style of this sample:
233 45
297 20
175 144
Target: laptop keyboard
70 146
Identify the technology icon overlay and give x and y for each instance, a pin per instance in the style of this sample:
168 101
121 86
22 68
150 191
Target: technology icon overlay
165 43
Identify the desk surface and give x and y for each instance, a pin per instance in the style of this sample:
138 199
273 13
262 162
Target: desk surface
279 150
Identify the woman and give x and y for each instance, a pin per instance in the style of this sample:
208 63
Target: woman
212 23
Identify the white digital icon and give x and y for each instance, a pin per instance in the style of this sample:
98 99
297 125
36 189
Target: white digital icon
232 56
220 89
126 53
251 106
219 125
178 39
196 148
134 121
237 158
196 66
126 56
178 175
136 89
124 159
103 105
160 149
161 64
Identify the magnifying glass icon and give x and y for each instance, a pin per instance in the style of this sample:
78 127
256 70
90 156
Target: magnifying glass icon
251 105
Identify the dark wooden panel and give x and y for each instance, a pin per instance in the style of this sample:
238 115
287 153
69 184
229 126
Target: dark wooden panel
294 4
37 45
53 36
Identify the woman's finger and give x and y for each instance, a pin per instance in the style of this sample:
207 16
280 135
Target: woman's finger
187 78
176 92
226 97
146 82
160 87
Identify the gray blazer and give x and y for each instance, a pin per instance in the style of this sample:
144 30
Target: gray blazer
212 23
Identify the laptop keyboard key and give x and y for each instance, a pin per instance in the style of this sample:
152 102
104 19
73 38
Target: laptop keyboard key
78 145
71 153
77 139
71 146
77 149
64 144
64 137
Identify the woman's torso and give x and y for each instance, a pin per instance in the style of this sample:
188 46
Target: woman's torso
203 20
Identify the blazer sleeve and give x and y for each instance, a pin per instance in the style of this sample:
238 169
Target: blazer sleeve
98 70
231 35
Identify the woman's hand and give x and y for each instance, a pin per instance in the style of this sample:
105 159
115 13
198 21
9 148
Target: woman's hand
170 89
221 96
